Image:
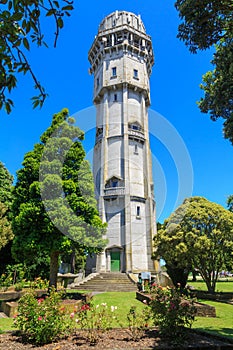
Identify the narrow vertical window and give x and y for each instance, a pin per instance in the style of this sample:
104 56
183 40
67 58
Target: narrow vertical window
115 98
97 82
135 73
138 212
136 148
114 72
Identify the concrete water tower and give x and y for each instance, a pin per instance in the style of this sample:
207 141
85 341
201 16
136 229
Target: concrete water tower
121 59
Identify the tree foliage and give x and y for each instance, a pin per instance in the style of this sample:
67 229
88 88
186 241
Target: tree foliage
6 180
230 203
22 25
54 204
207 23
6 198
6 234
199 234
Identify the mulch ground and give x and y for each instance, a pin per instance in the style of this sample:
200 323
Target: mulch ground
115 339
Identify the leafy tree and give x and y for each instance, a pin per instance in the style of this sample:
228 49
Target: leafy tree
207 23
54 204
6 198
199 234
6 233
230 203
6 180
21 25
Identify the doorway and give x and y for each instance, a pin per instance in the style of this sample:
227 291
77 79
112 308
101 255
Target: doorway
115 262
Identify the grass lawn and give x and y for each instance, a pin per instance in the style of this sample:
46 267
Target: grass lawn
222 324
123 301
224 286
6 324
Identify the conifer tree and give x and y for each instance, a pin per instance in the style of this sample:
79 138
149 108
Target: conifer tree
54 207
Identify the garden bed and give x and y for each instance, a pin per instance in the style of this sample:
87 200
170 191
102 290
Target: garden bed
119 339
203 310
9 304
218 296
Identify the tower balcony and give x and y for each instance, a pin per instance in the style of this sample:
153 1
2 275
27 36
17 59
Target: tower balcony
114 192
136 134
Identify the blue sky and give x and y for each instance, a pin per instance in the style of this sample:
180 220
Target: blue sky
178 129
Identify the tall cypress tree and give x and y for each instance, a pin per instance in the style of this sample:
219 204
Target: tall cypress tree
6 234
54 207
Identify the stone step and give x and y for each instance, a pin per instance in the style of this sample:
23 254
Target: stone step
107 282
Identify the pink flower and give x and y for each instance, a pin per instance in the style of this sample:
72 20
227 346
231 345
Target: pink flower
72 315
40 318
40 300
85 307
144 301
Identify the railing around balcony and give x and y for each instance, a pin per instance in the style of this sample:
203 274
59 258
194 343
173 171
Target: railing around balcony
114 191
136 134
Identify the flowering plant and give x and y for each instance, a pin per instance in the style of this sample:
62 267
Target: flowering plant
171 310
94 318
138 321
41 320
39 283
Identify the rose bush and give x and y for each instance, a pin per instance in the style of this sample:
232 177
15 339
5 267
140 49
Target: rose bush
42 320
172 310
96 319
138 321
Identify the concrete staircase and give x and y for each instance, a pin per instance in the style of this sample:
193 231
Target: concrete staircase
106 282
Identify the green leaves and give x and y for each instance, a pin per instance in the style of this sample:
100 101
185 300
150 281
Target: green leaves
6 233
64 211
198 235
207 23
218 85
6 180
26 43
20 27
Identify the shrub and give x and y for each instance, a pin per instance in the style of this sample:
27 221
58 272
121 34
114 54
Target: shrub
39 283
94 318
42 320
171 311
5 282
138 322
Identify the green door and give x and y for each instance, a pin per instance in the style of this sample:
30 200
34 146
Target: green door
115 262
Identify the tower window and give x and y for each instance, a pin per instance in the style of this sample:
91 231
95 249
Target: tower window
135 74
97 82
114 72
135 149
114 183
138 213
135 126
115 98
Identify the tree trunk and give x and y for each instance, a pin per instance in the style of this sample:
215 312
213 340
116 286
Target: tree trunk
72 262
53 269
179 276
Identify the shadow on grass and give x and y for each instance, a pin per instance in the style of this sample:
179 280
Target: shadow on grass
219 332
